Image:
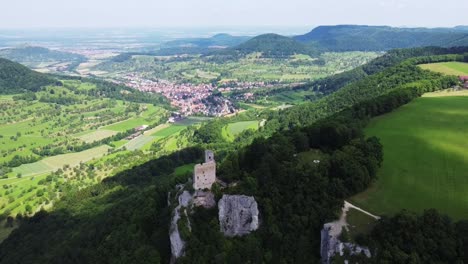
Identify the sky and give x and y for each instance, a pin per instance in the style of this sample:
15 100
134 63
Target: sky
219 13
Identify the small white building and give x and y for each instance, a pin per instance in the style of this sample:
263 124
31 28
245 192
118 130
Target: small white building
204 175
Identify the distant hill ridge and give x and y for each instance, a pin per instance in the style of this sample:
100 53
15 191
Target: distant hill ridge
358 37
271 45
27 54
222 39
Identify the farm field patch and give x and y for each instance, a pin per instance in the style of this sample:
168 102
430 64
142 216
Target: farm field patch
425 158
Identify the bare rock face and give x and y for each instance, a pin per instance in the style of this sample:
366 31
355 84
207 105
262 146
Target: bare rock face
205 199
177 243
238 215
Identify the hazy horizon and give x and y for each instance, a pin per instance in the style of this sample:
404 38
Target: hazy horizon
89 14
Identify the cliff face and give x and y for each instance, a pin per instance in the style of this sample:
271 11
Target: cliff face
177 243
238 215
185 202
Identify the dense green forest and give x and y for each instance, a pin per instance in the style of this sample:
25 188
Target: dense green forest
16 78
270 45
125 219
354 37
222 40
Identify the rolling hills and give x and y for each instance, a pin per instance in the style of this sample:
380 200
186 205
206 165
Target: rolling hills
271 45
31 54
126 218
218 40
357 37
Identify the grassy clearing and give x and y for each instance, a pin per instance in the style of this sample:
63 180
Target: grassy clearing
155 129
182 170
127 124
238 127
425 158
169 131
97 135
447 92
138 142
359 223
230 131
449 68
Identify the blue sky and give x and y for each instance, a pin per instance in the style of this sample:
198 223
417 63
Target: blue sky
201 13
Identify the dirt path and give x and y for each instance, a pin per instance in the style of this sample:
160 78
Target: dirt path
337 226
348 205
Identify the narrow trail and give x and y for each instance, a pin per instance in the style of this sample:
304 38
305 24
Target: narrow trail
348 205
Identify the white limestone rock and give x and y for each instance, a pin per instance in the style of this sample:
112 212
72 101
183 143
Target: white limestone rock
205 199
177 243
238 215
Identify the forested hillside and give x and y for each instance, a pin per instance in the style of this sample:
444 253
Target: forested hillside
270 45
126 218
354 37
335 82
16 78
222 40
30 54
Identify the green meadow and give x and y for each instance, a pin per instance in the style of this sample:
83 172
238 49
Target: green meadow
425 158
231 130
449 68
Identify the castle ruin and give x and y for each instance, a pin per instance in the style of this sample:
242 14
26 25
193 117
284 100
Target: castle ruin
204 175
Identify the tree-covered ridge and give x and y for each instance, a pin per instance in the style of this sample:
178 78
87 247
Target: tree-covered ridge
30 54
270 45
16 78
403 75
335 82
221 40
354 37
124 219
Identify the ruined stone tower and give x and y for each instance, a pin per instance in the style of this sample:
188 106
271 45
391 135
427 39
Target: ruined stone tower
204 175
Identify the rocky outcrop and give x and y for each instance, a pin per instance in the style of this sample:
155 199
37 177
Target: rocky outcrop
185 202
205 199
238 215
177 243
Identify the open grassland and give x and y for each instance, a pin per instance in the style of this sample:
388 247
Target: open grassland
449 68
97 135
425 158
231 130
168 131
138 142
238 127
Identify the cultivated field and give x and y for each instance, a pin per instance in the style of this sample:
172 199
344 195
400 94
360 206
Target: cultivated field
233 129
449 68
425 158
97 135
